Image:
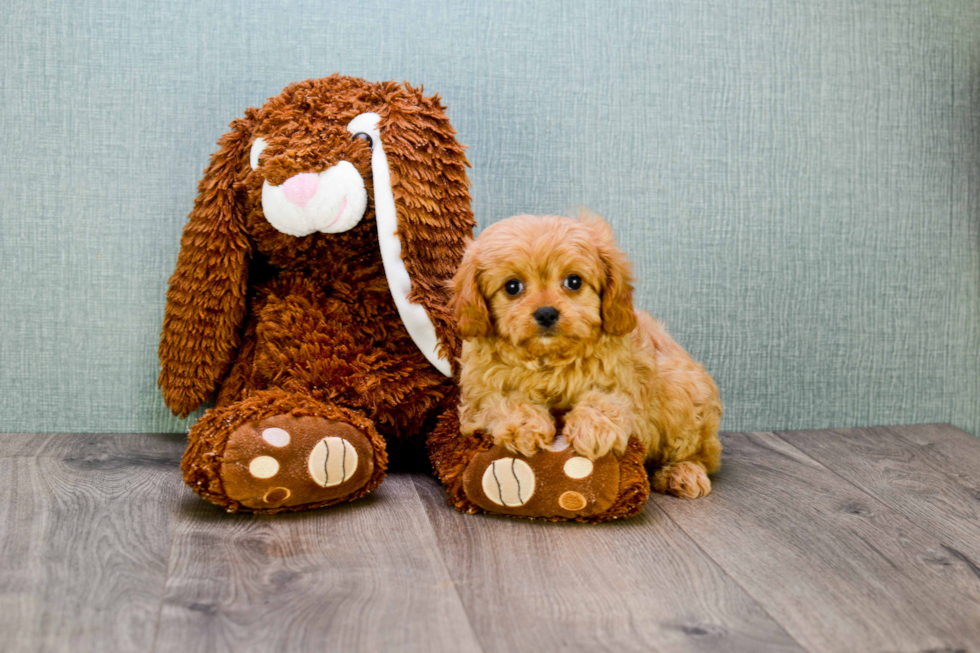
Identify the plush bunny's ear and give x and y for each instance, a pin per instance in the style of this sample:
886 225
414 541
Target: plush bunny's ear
206 299
431 195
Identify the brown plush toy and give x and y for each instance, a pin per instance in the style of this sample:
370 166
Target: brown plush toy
311 295
549 485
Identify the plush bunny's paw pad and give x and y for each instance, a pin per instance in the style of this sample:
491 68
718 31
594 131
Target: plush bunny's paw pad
555 483
285 461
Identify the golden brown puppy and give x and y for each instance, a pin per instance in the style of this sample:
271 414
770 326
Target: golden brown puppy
546 310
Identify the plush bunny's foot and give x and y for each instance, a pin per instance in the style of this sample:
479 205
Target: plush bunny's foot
275 451
557 484
286 461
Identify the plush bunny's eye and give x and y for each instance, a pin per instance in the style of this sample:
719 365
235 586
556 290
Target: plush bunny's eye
573 282
366 138
513 287
258 145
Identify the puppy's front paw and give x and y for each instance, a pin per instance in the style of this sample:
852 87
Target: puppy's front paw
525 430
593 433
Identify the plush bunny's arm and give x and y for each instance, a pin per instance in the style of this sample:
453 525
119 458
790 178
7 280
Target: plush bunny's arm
207 296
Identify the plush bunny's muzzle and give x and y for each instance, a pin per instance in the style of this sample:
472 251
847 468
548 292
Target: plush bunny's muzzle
331 201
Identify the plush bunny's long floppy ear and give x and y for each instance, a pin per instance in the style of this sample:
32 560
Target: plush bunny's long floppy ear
206 299
430 191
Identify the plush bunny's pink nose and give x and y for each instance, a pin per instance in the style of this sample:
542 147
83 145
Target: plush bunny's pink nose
298 189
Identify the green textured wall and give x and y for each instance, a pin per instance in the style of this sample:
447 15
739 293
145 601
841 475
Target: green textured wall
798 183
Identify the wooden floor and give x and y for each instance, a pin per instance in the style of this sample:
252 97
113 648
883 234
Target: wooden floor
848 540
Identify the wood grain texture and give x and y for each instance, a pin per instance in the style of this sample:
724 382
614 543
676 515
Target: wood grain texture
849 540
637 585
85 530
953 449
32 445
366 576
936 490
837 568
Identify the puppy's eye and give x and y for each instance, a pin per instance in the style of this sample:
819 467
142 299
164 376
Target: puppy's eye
366 138
573 282
513 287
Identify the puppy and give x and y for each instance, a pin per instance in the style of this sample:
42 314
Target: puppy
545 307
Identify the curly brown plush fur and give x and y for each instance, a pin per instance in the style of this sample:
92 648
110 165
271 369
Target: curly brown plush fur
277 324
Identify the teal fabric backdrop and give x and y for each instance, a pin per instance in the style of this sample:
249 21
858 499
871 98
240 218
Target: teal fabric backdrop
797 182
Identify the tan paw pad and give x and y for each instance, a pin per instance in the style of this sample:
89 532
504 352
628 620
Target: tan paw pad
572 501
277 495
332 461
508 482
558 444
276 437
553 483
263 467
578 467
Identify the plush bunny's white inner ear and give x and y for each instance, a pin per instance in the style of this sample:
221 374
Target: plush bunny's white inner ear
414 316
257 146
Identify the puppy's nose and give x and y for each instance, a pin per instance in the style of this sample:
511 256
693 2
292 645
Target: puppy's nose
546 316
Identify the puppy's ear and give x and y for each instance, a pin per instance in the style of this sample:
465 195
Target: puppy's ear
618 316
469 305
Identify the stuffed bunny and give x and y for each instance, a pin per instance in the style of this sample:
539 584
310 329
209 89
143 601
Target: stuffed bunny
311 295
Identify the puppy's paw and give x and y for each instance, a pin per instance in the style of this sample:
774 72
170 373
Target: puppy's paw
593 433
687 480
525 430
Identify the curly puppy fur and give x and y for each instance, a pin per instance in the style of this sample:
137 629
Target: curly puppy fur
310 319
616 371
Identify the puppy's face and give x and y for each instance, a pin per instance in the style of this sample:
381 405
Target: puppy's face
544 284
544 293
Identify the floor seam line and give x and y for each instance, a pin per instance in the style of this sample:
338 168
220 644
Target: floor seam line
442 559
929 534
731 577
163 592
923 449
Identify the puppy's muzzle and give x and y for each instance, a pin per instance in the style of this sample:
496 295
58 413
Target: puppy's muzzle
546 316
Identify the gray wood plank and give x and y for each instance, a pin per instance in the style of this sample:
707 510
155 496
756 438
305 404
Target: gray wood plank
911 479
953 449
85 529
365 576
836 567
33 445
637 585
